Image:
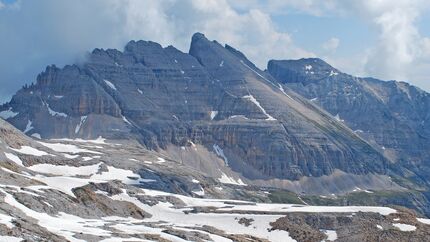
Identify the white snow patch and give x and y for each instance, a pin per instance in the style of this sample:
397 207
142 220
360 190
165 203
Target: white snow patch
333 73
126 176
161 160
253 100
14 158
314 99
78 127
126 120
357 189
283 91
5 238
66 170
29 126
229 180
331 235
424 220
27 150
238 116
7 114
36 135
337 117
140 91
213 114
221 64
55 113
110 84
308 67
63 224
195 181
66 184
310 209
6 220
220 153
67 148
379 227
228 222
182 72
405 227
60 183
58 96
200 192
99 140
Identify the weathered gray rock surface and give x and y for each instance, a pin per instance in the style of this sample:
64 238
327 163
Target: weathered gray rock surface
212 96
103 190
213 115
393 116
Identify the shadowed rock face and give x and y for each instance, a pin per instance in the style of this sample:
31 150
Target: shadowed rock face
393 116
212 96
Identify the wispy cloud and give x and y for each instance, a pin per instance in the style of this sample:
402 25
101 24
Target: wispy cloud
331 44
38 33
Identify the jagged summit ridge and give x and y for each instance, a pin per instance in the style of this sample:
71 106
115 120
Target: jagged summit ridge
214 97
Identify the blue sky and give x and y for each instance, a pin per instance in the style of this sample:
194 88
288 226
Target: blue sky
381 38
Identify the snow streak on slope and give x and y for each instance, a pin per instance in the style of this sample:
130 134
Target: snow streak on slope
78 127
110 84
55 113
29 126
253 100
220 153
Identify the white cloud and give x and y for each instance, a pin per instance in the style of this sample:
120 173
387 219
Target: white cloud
401 51
49 31
313 7
331 44
425 43
253 32
397 48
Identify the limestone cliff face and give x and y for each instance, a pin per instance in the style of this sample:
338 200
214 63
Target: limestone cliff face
212 96
393 116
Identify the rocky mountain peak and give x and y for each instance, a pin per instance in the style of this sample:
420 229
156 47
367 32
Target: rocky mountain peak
305 71
213 97
140 46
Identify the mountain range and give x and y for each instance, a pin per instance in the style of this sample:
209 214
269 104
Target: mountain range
299 131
